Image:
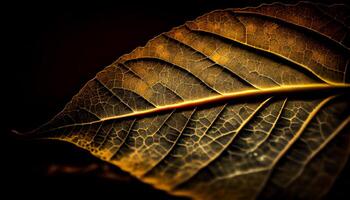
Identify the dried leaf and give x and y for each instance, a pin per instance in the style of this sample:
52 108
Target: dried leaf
237 104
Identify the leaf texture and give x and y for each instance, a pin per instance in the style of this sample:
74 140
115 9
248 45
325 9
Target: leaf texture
237 104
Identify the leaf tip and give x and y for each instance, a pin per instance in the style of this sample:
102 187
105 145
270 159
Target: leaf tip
18 134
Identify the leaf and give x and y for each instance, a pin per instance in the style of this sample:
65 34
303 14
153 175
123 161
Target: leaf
237 104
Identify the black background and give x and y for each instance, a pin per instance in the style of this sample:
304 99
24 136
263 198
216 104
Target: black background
49 52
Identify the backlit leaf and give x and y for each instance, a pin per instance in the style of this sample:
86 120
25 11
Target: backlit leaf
236 104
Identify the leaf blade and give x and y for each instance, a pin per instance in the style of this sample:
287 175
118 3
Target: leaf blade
184 113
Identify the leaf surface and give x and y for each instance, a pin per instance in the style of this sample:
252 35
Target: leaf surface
236 104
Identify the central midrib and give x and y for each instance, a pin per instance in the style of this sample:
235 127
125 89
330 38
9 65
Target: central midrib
284 90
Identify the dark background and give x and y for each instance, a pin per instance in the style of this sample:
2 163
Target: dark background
49 52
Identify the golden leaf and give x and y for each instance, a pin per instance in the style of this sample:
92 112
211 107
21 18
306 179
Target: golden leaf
237 104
